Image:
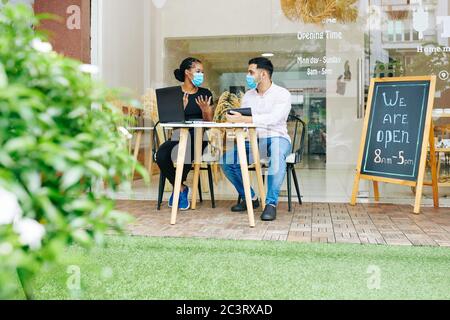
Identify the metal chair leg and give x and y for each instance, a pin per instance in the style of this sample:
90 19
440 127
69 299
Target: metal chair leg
162 184
200 194
211 186
297 188
289 186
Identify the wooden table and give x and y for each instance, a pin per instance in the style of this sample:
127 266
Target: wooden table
239 129
140 131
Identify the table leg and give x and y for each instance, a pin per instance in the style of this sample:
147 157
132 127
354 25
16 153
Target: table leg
136 150
240 139
197 163
184 133
150 157
256 157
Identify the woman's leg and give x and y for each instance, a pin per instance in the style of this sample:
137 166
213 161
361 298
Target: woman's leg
165 161
166 156
189 160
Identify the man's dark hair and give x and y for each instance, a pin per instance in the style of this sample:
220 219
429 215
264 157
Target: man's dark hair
263 63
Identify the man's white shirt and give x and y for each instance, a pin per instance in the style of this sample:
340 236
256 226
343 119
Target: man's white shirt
270 111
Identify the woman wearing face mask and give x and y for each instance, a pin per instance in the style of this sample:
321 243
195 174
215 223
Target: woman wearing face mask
198 105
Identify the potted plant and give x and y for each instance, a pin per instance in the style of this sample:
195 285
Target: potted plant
59 140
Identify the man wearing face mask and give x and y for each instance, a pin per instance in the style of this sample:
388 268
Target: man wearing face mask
198 105
270 105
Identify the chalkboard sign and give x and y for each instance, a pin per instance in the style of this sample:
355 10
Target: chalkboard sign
397 132
394 138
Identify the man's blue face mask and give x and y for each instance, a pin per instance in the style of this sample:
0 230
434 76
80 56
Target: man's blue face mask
251 82
198 79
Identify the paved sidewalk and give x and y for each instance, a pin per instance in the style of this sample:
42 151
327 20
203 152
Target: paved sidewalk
312 222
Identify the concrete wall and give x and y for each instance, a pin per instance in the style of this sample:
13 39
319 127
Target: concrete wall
123 44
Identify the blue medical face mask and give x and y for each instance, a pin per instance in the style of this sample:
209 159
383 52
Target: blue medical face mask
251 82
198 79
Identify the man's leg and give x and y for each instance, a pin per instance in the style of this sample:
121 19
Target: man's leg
278 150
232 170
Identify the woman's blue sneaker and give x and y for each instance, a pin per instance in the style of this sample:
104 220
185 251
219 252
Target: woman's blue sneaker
184 200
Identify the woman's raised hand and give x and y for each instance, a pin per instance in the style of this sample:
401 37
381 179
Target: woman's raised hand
204 103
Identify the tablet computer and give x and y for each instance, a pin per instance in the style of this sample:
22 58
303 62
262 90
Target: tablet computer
247 112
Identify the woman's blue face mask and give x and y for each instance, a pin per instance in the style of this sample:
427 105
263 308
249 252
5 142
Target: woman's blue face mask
198 79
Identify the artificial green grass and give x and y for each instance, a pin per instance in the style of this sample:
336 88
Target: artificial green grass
167 268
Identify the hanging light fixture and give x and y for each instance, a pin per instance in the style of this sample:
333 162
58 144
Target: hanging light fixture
159 3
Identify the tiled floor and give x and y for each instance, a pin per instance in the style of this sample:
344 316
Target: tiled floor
325 216
311 222
317 185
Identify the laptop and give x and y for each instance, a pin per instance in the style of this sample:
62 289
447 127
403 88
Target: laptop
170 105
171 108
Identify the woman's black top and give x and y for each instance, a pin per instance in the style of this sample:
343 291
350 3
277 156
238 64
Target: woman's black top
193 111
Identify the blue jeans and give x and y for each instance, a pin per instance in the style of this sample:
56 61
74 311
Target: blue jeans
276 149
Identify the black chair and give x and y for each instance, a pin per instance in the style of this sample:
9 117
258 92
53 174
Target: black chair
162 178
296 157
298 146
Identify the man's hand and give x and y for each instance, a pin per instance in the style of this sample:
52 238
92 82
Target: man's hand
236 117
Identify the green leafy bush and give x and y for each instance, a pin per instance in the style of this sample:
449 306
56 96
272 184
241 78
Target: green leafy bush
59 139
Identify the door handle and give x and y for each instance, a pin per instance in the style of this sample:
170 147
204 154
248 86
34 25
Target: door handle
358 89
360 95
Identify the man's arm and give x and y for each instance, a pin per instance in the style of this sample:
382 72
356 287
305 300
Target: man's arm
236 117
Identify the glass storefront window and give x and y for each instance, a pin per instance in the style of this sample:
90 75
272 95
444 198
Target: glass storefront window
327 66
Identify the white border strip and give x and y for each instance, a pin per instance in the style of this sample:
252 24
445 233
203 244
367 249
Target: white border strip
97 35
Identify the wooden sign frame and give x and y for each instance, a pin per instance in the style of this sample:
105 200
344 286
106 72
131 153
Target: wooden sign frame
428 139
